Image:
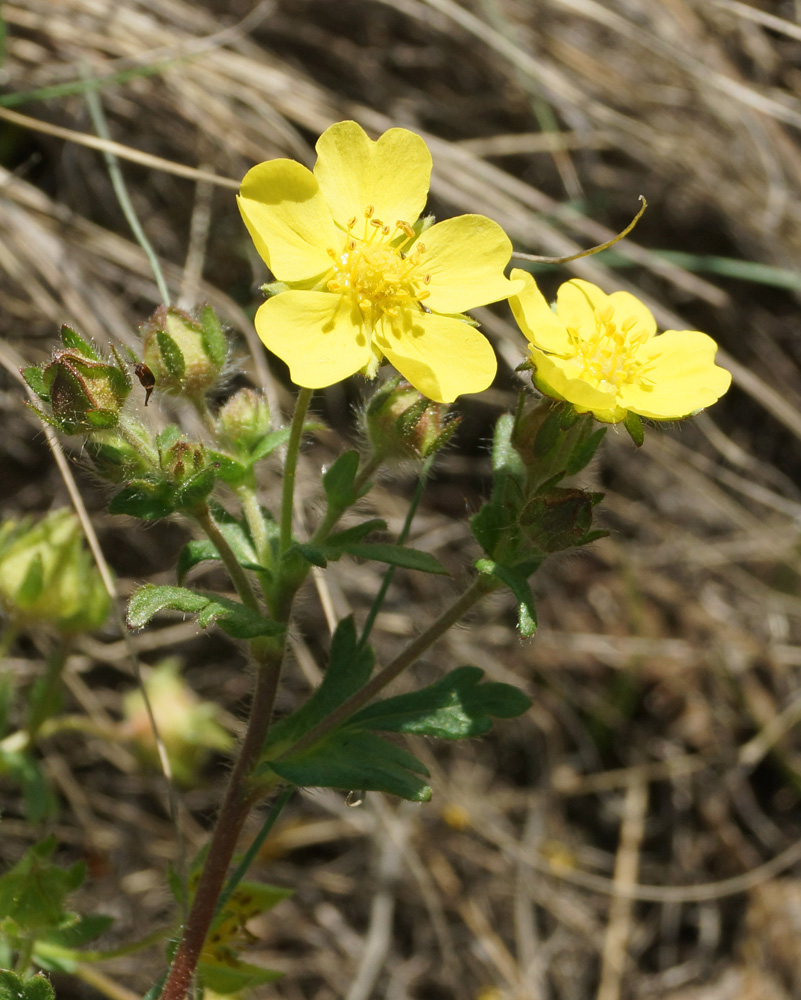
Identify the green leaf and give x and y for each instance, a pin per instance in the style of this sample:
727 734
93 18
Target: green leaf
202 550
348 759
349 668
79 931
13 987
454 708
74 341
195 489
633 425
34 376
273 440
516 579
168 437
357 533
339 481
233 618
584 451
171 355
215 342
33 892
229 470
145 500
394 555
234 976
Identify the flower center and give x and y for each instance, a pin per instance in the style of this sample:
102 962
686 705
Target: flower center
608 354
376 272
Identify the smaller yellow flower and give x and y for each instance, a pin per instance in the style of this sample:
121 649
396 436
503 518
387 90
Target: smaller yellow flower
601 353
362 278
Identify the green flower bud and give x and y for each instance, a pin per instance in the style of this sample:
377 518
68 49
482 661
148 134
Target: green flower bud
187 726
560 519
183 355
244 421
83 393
402 423
47 576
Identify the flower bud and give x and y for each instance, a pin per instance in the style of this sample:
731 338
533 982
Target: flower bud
560 519
184 356
48 577
83 393
402 423
188 727
244 421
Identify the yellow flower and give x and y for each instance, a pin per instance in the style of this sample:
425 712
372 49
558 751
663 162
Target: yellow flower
362 281
600 352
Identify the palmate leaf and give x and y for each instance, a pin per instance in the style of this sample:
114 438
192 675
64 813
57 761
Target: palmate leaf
232 617
355 756
455 708
33 893
13 987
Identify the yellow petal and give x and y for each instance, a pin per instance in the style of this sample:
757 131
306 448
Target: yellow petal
391 174
536 319
288 219
442 357
555 376
628 307
317 334
682 376
465 258
577 302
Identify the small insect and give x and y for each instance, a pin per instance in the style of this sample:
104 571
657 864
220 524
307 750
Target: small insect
147 378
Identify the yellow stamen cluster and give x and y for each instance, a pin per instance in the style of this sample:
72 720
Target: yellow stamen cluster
608 356
375 271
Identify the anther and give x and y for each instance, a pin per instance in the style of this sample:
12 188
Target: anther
351 222
368 212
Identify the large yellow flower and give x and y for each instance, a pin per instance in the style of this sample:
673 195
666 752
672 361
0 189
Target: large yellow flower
600 352
363 281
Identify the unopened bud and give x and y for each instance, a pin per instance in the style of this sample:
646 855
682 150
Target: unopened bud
244 421
402 423
559 519
82 392
188 727
47 576
183 355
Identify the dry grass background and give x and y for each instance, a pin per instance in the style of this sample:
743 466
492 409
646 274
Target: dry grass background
637 834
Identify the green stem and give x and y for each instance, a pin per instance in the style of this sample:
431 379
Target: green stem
239 577
49 950
234 811
333 514
378 602
290 466
255 519
479 588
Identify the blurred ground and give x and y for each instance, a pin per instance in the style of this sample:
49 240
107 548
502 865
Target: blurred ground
637 834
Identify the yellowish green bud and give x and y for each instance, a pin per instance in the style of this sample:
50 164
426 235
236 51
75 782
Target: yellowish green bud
187 725
403 423
47 575
244 420
184 356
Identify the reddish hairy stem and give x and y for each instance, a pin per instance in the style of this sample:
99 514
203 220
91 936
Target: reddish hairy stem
233 813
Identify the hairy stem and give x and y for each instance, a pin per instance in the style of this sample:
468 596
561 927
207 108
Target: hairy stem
290 466
239 577
233 812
